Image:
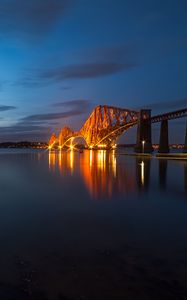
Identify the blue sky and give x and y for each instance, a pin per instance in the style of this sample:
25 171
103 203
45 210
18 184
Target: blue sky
60 58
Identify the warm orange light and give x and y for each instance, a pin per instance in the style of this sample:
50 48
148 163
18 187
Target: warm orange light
91 158
101 145
113 160
52 159
71 161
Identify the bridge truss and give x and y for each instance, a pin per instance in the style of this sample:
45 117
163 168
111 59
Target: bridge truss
102 128
106 123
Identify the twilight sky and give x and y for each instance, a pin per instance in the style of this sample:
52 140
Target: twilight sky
60 58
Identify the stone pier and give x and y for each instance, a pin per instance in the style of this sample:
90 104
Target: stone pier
144 140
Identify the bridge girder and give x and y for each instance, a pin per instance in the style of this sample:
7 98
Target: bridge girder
104 125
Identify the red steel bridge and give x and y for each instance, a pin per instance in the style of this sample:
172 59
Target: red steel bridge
106 123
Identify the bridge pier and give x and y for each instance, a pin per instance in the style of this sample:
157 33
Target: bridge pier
164 140
144 139
185 142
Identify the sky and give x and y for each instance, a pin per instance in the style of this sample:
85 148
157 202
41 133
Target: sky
61 58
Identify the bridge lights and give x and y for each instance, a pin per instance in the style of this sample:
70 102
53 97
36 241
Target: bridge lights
143 146
102 146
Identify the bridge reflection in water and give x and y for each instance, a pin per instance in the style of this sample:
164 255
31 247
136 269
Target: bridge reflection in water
103 177
106 175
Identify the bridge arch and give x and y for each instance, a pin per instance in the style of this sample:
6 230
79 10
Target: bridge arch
106 123
70 140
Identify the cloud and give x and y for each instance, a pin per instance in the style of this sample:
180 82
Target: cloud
125 53
74 103
6 107
30 17
75 108
26 131
19 128
81 71
52 116
40 126
85 71
93 63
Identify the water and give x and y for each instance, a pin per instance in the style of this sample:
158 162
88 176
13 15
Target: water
92 225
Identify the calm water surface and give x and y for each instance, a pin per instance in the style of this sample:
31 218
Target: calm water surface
95 225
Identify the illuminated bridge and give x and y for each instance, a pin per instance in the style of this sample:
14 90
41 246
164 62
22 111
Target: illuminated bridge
106 123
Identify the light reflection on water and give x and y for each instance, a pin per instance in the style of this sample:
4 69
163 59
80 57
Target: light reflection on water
49 224
107 174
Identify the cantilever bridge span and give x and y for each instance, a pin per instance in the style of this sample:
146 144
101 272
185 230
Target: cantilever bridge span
106 123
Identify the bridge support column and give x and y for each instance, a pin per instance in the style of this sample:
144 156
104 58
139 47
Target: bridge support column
185 142
144 140
164 141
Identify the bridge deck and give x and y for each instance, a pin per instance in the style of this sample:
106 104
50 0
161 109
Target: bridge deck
170 115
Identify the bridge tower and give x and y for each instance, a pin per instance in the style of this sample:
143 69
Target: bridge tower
144 139
164 140
185 143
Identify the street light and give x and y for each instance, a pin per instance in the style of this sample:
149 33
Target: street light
143 143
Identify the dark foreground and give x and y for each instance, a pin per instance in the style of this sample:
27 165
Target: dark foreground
92 226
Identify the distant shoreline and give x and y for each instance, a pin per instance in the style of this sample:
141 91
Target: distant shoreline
44 145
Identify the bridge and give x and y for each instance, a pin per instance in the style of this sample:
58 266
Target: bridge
106 123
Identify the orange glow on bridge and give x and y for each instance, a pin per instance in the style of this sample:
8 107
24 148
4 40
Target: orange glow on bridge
100 130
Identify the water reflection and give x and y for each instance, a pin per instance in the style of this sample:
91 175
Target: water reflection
107 175
185 177
143 173
98 169
61 161
163 164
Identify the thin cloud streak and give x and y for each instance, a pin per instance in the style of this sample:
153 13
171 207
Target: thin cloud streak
74 103
97 63
6 107
75 108
85 71
42 78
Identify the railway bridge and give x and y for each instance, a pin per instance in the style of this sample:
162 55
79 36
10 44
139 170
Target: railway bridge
106 123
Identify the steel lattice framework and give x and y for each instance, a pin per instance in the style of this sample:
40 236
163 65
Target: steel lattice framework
104 125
